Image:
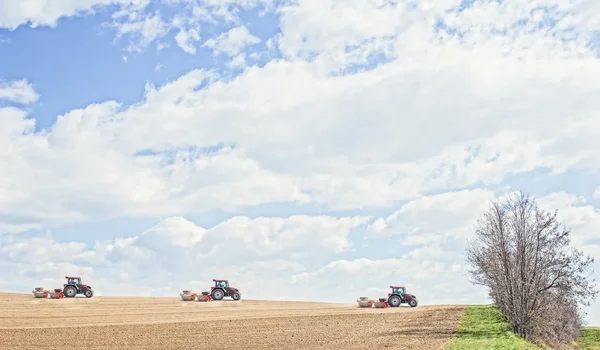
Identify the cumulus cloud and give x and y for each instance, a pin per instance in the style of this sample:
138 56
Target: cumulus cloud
232 42
186 40
142 30
175 244
138 20
581 217
345 142
20 91
143 26
453 213
48 12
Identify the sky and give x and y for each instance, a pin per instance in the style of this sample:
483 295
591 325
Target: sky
305 150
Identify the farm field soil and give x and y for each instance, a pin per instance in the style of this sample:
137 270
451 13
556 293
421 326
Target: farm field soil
169 323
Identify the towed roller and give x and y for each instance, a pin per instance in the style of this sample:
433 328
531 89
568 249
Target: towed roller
381 304
40 292
204 297
364 302
57 294
187 295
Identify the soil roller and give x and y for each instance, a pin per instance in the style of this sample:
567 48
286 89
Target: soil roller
187 295
40 292
57 294
381 304
204 297
365 302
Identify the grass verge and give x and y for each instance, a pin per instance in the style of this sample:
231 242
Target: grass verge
484 327
590 338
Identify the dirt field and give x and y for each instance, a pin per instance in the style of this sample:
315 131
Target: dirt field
169 323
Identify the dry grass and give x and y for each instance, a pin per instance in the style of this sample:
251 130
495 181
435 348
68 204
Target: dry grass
168 323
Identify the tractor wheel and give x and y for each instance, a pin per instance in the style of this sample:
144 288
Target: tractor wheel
236 296
394 301
217 294
413 302
89 293
70 292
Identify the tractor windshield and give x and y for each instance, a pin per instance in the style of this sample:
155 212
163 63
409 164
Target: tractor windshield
400 291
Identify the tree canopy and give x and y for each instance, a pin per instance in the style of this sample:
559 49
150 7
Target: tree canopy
537 280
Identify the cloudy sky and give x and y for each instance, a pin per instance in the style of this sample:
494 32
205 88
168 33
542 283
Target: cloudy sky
304 149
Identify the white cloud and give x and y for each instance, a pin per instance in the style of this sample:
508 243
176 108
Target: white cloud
232 42
186 39
178 232
455 215
144 26
20 91
48 12
597 193
142 30
259 237
362 140
582 219
169 248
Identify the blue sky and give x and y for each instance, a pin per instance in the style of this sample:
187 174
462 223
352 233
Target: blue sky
333 116
80 61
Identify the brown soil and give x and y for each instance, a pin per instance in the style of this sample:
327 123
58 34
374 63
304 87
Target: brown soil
168 323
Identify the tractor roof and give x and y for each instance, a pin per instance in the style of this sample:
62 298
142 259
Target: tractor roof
72 277
396 286
214 280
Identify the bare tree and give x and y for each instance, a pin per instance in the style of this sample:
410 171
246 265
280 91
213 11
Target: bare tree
523 255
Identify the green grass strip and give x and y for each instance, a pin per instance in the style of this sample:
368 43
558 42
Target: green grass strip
589 339
484 327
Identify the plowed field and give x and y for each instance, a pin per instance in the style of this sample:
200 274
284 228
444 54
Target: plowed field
168 323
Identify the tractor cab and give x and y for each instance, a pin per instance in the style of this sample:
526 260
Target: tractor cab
221 284
397 290
73 281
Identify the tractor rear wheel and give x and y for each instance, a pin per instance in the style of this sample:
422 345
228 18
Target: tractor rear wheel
89 293
70 292
217 294
394 301
236 296
413 302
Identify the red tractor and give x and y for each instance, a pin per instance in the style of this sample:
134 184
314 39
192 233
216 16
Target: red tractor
222 289
74 287
398 296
